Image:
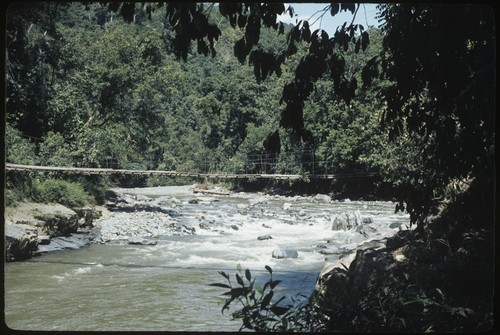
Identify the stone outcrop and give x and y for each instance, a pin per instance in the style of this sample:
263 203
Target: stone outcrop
348 220
347 283
20 241
32 227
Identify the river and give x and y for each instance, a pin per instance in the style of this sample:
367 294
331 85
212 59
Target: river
116 286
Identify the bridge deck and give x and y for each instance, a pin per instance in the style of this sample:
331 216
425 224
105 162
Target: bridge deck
101 171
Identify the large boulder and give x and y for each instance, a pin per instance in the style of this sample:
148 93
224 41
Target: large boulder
32 227
346 220
21 240
321 198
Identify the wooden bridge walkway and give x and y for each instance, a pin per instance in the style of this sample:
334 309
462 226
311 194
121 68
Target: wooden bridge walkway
100 171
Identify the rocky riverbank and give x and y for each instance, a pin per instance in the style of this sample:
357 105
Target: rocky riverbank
440 279
143 215
35 228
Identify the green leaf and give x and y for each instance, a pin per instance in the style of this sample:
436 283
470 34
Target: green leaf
220 285
240 50
365 40
274 283
267 299
279 310
248 275
225 275
268 268
334 8
358 45
239 280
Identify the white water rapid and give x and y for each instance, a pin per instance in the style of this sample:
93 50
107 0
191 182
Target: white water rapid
114 285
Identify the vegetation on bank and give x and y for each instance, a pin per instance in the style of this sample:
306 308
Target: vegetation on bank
129 85
85 88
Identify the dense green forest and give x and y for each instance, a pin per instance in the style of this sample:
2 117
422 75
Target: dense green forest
192 87
85 88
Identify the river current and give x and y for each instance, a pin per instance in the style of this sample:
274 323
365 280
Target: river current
117 286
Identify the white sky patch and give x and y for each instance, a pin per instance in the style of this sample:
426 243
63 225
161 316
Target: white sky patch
313 12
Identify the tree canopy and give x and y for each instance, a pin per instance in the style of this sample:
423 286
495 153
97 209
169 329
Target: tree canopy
106 73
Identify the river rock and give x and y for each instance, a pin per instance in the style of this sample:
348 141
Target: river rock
142 197
138 240
43 239
346 220
204 225
193 201
257 200
87 215
264 237
367 220
285 253
321 198
366 230
20 241
73 241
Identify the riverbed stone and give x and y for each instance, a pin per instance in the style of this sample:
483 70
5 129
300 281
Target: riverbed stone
43 239
346 220
74 241
204 225
20 241
367 220
321 198
138 240
264 237
285 253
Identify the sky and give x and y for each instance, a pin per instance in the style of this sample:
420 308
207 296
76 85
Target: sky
365 16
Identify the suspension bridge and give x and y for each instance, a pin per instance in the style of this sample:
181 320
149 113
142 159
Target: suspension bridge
173 174
284 166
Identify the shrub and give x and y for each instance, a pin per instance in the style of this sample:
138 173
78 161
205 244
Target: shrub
18 150
66 193
260 313
18 186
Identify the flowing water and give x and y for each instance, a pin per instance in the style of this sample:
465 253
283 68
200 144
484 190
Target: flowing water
164 287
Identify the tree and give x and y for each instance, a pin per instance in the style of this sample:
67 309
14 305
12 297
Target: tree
440 60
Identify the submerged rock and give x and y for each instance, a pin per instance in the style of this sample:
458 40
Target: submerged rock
138 240
264 237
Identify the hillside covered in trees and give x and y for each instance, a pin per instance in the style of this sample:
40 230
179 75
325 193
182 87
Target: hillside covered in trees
85 88
192 87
